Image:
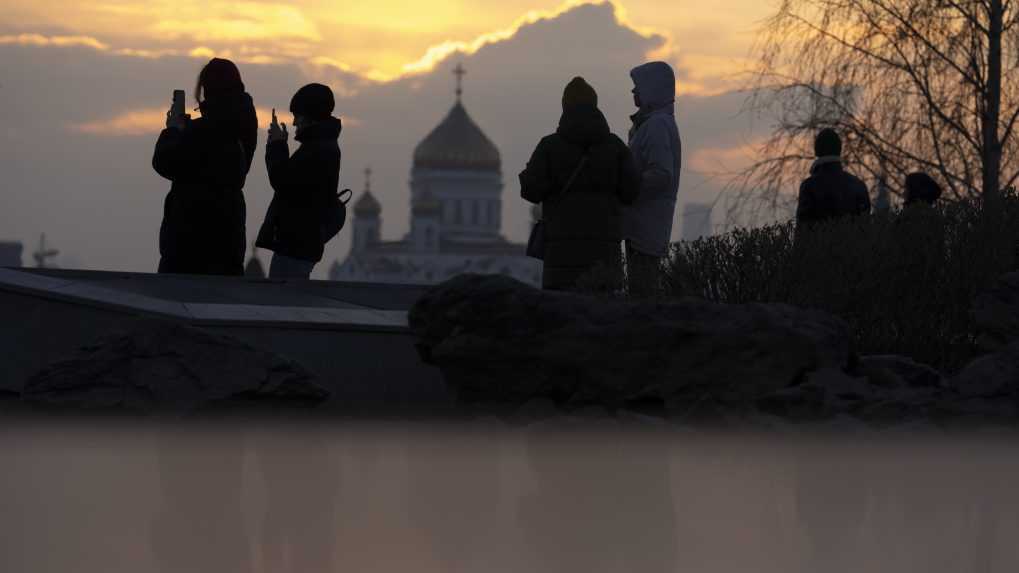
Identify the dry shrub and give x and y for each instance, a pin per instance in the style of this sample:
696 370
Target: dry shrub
904 281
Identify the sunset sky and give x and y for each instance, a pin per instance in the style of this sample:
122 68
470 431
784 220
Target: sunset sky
86 83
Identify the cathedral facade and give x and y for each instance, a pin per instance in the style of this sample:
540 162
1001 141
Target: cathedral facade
456 215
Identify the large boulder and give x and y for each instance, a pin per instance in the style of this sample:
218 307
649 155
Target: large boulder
823 394
898 372
996 313
168 367
500 341
988 387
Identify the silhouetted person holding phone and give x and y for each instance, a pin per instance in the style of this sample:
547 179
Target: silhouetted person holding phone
207 159
921 189
830 192
582 175
658 151
304 184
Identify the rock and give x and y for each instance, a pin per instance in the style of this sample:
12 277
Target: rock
892 371
996 313
829 393
536 410
162 366
991 376
824 394
498 340
10 402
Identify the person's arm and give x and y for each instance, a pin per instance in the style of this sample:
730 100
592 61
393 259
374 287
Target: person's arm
177 153
279 166
804 204
659 160
863 202
535 182
628 187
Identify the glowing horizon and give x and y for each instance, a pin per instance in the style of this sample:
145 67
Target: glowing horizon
376 42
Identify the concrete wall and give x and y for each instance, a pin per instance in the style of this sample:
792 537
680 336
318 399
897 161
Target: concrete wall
362 367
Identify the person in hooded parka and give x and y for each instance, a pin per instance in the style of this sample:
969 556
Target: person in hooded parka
583 223
657 150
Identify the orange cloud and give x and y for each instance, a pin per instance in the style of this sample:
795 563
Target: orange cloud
235 22
708 75
724 160
147 121
435 54
58 41
150 121
378 43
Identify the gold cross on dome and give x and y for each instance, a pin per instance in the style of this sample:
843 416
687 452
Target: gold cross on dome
367 178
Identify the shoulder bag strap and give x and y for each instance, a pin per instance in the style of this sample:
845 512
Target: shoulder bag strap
573 177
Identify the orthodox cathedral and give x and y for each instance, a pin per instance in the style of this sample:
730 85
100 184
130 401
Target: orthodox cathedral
456 214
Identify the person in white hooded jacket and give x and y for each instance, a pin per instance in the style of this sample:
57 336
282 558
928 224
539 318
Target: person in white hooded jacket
657 150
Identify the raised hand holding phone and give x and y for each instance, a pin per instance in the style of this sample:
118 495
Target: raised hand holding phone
175 116
277 130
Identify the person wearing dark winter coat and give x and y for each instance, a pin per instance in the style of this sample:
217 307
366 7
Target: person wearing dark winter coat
303 184
583 224
830 192
207 161
921 188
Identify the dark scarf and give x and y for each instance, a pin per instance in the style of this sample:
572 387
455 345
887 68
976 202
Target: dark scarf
328 128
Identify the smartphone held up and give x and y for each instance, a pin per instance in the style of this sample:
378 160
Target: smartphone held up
176 117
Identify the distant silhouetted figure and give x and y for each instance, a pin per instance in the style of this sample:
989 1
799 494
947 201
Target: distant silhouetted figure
658 151
303 184
830 192
583 220
207 159
921 189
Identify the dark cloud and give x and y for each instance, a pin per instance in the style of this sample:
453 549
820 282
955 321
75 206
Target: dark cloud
96 196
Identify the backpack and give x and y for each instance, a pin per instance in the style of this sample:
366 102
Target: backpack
335 214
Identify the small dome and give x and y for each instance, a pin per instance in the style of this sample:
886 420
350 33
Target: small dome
367 205
457 143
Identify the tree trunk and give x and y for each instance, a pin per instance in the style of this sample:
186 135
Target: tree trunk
992 103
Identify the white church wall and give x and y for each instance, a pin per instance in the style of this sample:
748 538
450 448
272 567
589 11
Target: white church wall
434 268
465 196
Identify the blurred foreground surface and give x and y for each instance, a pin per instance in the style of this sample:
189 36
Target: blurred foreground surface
556 496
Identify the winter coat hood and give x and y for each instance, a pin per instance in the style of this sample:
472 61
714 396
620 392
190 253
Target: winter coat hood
583 125
328 129
655 83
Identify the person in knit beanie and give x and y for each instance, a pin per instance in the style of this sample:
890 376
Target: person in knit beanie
314 101
830 192
581 175
827 143
922 189
304 184
579 92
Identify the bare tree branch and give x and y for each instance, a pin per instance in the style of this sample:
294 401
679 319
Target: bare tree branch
910 84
